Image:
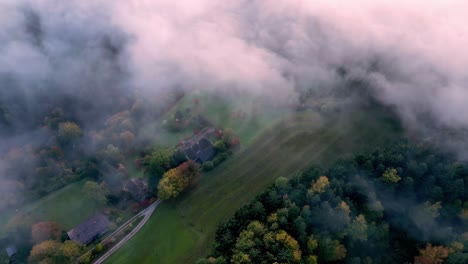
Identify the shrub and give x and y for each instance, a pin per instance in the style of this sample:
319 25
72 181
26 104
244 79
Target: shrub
99 248
220 146
85 259
207 166
216 161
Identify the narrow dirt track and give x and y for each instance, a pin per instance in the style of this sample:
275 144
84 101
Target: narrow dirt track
146 216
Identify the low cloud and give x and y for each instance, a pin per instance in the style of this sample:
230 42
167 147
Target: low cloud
84 56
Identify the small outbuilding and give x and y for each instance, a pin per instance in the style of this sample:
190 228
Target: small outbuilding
137 189
89 230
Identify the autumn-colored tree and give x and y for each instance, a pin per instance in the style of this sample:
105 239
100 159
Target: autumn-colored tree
126 139
258 244
175 180
332 250
43 231
235 141
22 221
230 138
71 250
69 131
45 252
358 228
248 242
311 259
285 247
320 185
171 185
344 207
111 154
312 243
51 251
99 248
189 170
96 192
431 255
456 247
86 258
390 176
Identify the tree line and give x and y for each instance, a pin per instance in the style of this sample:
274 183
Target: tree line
404 204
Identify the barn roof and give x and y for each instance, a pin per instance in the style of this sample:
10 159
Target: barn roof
90 229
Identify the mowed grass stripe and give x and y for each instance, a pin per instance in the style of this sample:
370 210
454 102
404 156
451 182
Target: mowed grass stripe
251 183
262 160
247 180
275 161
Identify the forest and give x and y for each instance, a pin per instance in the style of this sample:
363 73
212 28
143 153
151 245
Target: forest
403 204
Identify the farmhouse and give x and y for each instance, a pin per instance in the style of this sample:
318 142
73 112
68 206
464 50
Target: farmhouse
136 188
89 230
198 147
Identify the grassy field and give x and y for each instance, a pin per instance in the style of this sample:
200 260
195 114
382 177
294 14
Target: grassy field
183 230
157 240
245 114
66 207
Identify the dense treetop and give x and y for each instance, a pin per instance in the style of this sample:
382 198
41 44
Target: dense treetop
400 205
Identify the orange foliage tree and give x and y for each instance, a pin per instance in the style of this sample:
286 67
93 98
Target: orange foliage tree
43 231
432 255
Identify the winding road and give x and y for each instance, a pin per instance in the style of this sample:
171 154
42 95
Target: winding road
146 213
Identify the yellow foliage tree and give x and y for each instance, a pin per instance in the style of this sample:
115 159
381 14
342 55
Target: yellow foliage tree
311 259
171 185
320 185
69 131
288 242
45 252
175 180
71 250
390 176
